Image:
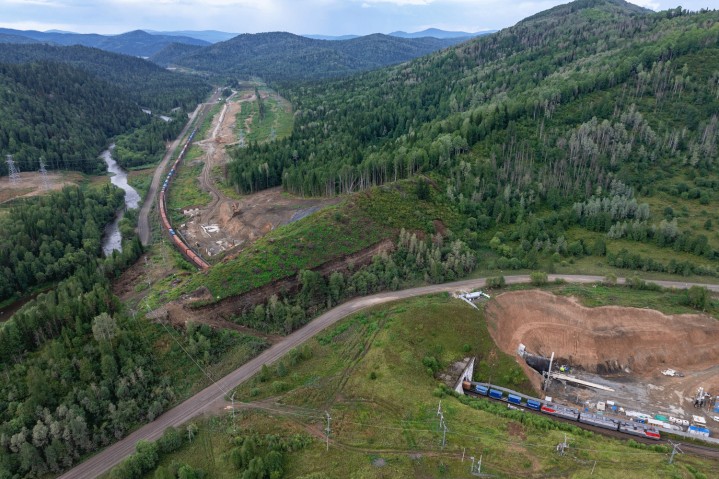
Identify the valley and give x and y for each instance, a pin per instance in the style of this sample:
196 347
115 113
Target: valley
340 194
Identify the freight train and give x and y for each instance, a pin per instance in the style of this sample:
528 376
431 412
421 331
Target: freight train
627 427
179 243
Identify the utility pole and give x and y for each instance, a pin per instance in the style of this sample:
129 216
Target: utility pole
675 449
13 172
549 373
562 446
328 430
444 433
232 398
476 471
442 424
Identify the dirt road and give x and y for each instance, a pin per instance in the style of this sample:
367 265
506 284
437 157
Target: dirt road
143 222
203 401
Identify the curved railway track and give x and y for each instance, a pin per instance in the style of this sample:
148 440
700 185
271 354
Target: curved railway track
180 243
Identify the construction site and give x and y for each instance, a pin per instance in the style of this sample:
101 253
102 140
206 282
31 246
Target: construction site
230 220
626 361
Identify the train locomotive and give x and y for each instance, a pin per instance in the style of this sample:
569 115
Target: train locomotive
565 412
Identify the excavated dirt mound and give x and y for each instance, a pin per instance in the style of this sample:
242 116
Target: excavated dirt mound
603 339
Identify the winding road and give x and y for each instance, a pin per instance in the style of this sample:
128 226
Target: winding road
203 401
143 223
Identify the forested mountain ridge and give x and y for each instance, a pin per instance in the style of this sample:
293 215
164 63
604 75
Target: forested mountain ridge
135 43
591 103
66 103
384 125
284 57
61 114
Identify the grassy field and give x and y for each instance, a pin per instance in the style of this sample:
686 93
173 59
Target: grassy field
185 188
141 180
357 223
371 374
276 123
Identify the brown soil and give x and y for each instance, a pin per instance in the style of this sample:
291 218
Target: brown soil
631 345
31 184
229 224
604 339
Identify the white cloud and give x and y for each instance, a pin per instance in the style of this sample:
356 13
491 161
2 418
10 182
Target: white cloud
399 2
647 4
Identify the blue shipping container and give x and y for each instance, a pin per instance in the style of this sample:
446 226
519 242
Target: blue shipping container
493 393
481 389
514 399
532 404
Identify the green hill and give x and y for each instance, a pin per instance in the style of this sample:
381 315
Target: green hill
374 373
549 135
284 57
136 43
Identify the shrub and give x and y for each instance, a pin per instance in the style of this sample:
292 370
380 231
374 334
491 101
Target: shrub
496 282
538 278
697 297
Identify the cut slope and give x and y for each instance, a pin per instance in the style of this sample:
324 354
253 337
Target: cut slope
605 339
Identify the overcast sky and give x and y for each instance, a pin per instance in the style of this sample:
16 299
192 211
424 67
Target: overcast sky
329 17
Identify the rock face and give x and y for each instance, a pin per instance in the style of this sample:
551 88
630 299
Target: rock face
606 339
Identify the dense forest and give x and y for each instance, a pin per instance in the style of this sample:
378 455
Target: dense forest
46 239
593 101
79 371
64 104
280 57
136 43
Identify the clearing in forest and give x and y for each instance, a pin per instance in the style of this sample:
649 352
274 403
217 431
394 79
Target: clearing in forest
230 220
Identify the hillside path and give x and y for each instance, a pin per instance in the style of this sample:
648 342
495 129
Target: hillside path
203 401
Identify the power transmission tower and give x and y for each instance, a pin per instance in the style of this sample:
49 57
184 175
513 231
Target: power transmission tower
675 449
43 175
13 171
328 430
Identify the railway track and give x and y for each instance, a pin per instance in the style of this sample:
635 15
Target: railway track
688 448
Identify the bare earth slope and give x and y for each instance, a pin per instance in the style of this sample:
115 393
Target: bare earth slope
603 339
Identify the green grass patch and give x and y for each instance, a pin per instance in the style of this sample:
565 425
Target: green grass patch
666 301
185 190
140 180
369 372
358 222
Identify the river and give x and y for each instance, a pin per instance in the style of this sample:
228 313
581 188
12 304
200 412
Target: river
112 240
